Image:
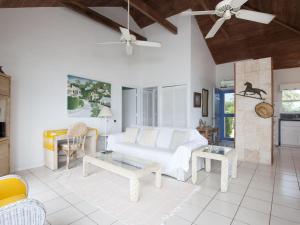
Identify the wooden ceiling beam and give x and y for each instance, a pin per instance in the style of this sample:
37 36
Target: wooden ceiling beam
213 18
153 14
85 11
296 31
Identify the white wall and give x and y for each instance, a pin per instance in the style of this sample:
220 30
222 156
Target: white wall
203 73
39 48
284 76
171 63
224 72
184 59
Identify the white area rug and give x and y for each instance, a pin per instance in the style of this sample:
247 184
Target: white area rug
110 193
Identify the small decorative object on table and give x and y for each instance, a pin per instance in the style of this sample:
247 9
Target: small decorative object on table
223 154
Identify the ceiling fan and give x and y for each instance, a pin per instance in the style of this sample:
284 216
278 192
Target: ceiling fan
129 40
227 8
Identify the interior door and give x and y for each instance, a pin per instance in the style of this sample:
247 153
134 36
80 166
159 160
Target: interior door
227 115
129 108
217 109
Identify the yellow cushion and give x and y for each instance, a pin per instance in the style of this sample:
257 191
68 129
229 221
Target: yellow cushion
12 199
12 186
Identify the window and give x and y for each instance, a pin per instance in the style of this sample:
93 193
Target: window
290 101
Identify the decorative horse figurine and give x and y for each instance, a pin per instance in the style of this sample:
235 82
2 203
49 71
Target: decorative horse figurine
252 91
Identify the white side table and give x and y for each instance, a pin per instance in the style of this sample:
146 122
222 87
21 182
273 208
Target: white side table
223 154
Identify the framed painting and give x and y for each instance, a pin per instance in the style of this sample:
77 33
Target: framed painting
87 97
197 100
205 102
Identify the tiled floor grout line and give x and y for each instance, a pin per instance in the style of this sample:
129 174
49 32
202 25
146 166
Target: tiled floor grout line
273 191
295 170
212 198
244 194
61 196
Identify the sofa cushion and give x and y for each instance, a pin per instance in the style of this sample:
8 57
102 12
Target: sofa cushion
153 154
164 137
148 137
131 134
179 137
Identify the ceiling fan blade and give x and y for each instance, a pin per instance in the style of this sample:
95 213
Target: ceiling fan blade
148 44
237 3
110 43
198 13
125 33
254 16
215 28
129 49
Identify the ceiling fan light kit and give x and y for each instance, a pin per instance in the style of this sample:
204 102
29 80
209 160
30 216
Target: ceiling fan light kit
226 9
129 40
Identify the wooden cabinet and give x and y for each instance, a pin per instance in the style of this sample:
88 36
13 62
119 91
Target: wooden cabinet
4 85
4 156
4 124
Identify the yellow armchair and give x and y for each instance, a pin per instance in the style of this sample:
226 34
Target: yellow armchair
15 208
12 188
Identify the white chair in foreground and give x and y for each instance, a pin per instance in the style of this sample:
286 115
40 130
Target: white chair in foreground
15 208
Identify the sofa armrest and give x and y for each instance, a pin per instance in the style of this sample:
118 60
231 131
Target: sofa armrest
114 139
12 185
24 212
182 155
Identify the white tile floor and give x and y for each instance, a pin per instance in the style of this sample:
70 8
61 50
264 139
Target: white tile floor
261 195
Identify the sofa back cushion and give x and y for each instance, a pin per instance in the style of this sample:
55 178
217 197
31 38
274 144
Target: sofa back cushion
179 137
148 137
131 134
164 137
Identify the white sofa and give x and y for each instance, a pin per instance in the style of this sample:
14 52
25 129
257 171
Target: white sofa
170 147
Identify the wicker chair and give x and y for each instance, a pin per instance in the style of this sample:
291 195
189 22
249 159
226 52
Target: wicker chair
76 137
15 208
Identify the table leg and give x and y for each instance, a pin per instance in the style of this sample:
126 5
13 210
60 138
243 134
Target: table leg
134 189
158 178
207 165
224 176
85 168
194 169
234 167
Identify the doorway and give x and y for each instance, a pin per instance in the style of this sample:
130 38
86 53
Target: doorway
224 114
150 106
129 107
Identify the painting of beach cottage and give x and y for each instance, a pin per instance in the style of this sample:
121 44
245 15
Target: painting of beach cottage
87 97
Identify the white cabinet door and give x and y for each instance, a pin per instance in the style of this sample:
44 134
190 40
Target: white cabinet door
290 133
174 106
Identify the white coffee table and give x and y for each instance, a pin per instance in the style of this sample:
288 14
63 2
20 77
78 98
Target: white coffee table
223 154
126 166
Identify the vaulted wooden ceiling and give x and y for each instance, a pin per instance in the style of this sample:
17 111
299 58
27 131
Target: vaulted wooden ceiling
238 39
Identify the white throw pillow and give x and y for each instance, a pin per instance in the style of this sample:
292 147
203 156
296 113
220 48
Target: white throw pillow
131 134
148 137
179 137
164 137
